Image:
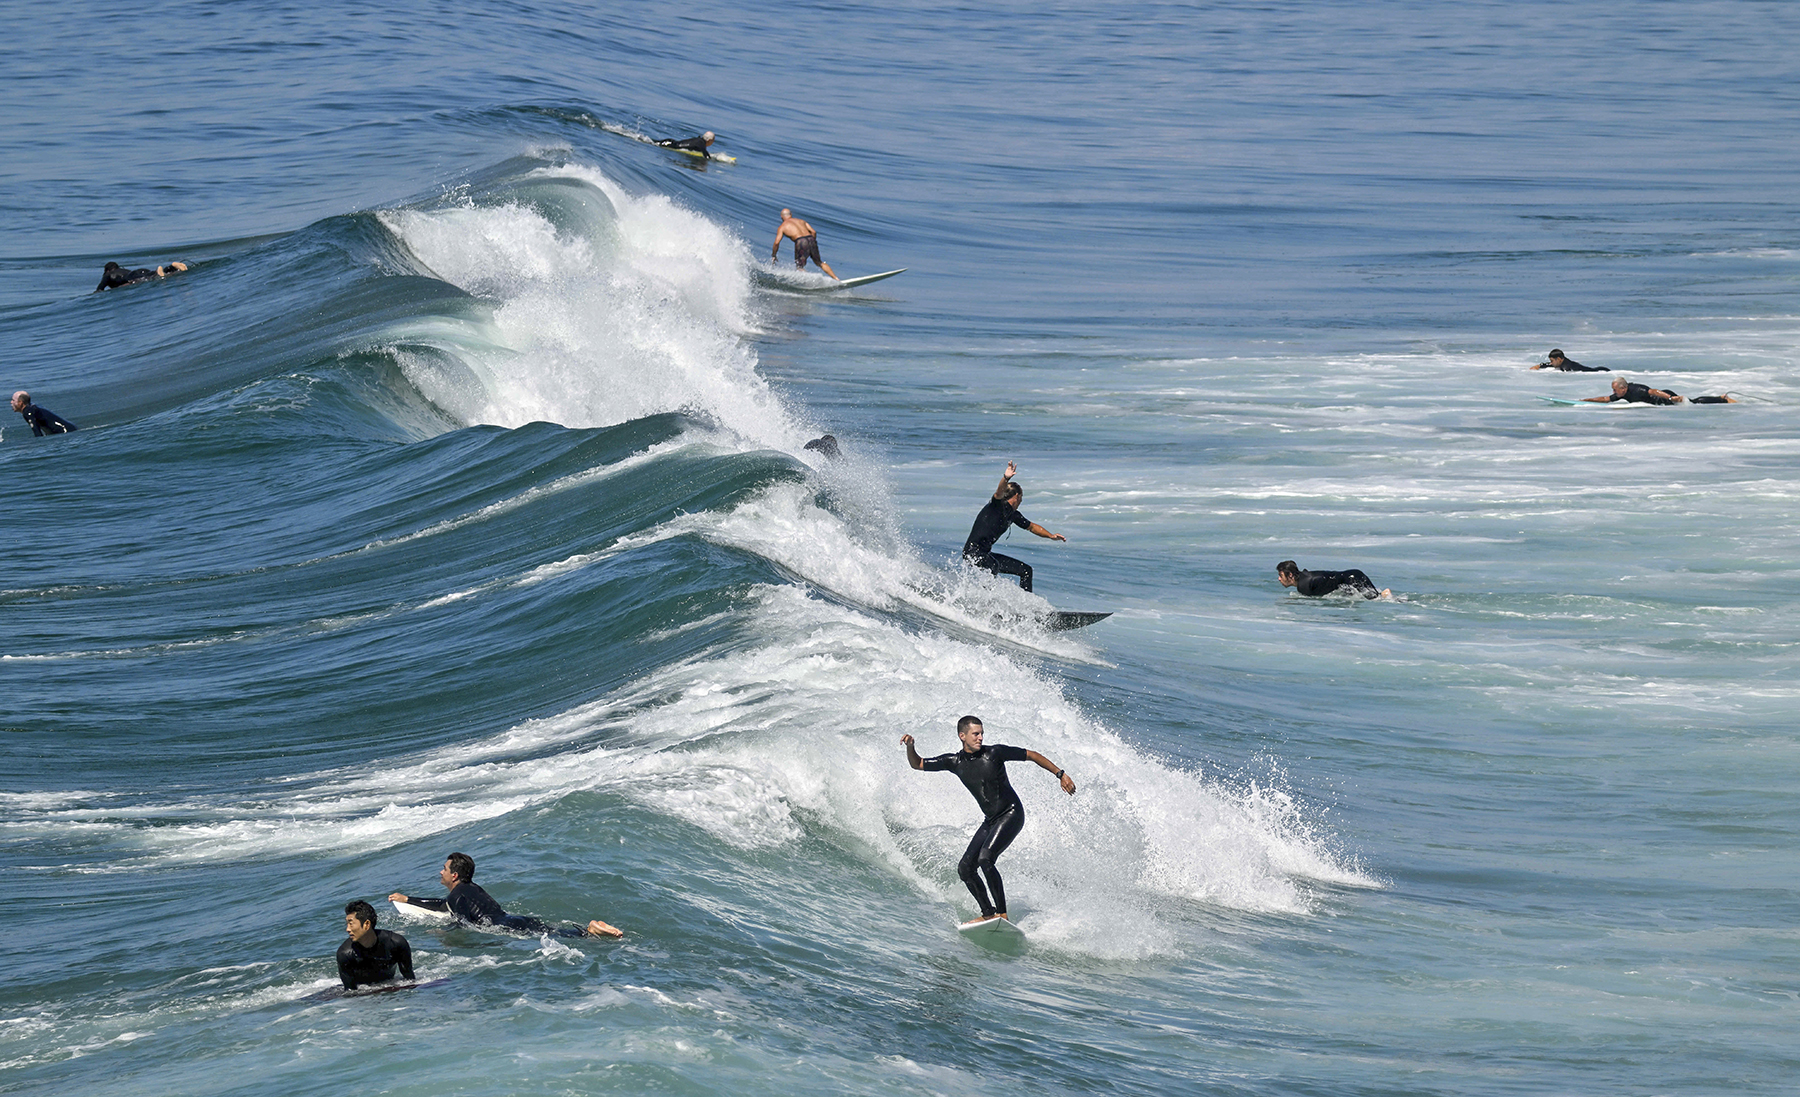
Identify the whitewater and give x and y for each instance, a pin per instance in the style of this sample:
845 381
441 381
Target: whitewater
458 498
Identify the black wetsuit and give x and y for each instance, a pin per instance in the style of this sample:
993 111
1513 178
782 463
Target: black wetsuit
1569 366
44 421
825 444
1315 584
983 773
1644 394
358 965
989 525
691 144
115 276
470 903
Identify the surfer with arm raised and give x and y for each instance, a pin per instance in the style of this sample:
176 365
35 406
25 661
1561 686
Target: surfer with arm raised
1001 511
806 243
471 903
983 772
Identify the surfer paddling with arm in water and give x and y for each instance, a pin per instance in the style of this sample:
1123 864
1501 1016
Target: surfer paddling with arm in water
1317 584
1001 511
370 955
983 772
471 903
806 243
689 144
1632 392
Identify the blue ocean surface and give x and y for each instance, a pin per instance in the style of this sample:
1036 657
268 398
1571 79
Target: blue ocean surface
457 499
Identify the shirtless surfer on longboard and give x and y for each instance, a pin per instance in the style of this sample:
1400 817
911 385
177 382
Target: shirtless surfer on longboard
806 243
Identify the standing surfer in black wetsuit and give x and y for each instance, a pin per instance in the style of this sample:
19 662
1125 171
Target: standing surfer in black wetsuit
983 772
806 243
1317 584
1001 511
471 903
691 144
42 421
1555 360
115 276
1632 392
370 955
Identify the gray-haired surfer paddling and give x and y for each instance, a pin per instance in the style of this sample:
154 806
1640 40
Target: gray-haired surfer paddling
471 903
1001 511
690 144
1635 393
983 772
806 243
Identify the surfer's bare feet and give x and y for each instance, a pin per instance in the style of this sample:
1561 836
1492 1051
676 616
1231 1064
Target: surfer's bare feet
597 928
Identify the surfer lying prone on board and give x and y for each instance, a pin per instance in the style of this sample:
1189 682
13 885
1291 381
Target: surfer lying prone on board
370 955
469 902
1317 584
691 144
1001 511
983 773
1555 360
1632 392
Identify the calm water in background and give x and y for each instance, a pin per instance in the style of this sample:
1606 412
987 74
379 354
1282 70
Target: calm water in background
457 500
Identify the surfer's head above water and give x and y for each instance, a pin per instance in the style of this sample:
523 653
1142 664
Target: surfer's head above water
458 866
970 731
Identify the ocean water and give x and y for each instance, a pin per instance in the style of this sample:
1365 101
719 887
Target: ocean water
457 499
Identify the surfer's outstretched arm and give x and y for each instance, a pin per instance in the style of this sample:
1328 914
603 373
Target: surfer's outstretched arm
1068 783
912 755
1042 532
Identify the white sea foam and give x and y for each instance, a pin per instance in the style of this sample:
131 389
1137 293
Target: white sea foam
639 308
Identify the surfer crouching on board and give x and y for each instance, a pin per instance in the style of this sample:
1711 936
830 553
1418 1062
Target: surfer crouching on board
1317 584
1001 511
1632 392
806 243
370 955
471 903
983 773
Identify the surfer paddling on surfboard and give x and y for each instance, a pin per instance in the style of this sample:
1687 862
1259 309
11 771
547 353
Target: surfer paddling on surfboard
370 955
1001 511
1635 393
983 772
806 243
469 902
689 144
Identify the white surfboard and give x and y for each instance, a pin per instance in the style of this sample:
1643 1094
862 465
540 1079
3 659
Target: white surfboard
425 913
991 930
852 283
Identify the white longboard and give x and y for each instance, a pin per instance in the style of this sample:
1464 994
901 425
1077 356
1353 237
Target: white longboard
852 283
991 930
423 912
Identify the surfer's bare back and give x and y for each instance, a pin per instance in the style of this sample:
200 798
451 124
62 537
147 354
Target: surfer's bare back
806 243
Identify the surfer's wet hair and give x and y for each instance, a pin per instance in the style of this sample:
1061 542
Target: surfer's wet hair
462 865
968 722
362 910
1015 492
1287 567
